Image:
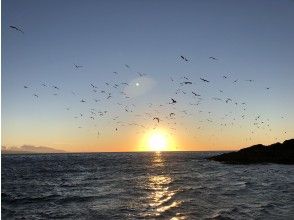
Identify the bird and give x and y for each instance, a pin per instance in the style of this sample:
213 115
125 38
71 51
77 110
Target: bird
228 99
36 95
156 118
25 87
173 101
249 80
17 29
83 100
213 58
115 73
195 94
171 114
126 65
184 58
187 82
141 74
235 81
77 66
204 80
93 85
55 87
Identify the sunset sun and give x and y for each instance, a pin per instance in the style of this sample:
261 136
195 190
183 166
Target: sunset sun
157 142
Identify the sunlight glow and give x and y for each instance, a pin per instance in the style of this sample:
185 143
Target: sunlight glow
157 142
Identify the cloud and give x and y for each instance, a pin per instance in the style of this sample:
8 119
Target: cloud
29 149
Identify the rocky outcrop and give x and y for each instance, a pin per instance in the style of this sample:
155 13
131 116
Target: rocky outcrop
275 153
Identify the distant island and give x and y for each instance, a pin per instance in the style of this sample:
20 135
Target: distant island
282 153
29 149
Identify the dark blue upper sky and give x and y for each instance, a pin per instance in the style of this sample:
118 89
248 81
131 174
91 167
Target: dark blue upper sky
251 39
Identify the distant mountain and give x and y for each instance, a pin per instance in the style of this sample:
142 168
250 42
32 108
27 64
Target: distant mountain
275 153
29 149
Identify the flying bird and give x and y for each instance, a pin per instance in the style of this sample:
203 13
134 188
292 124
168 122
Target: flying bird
77 66
171 114
156 118
213 58
184 58
228 99
141 74
17 29
83 100
173 101
204 80
93 86
195 94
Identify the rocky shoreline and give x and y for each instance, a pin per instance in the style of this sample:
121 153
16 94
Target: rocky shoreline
282 153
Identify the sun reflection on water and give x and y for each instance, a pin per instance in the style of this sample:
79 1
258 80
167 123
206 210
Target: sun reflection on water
162 197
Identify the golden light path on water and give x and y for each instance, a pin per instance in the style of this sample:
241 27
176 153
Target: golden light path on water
162 196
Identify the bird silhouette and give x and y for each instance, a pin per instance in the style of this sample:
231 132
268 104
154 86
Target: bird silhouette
17 29
156 118
77 66
142 74
213 58
184 58
173 101
195 94
204 80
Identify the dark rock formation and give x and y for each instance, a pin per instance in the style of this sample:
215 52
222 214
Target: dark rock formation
275 153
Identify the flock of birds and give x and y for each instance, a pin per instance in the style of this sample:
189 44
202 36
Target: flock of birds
171 114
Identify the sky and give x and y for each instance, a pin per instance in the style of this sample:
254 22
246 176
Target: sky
116 40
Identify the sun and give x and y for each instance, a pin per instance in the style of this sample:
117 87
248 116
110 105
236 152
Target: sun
157 142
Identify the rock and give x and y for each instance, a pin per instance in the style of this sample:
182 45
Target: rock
275 153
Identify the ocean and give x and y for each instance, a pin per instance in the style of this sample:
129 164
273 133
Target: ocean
166 185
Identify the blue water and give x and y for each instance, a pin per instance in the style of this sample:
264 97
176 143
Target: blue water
143 186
